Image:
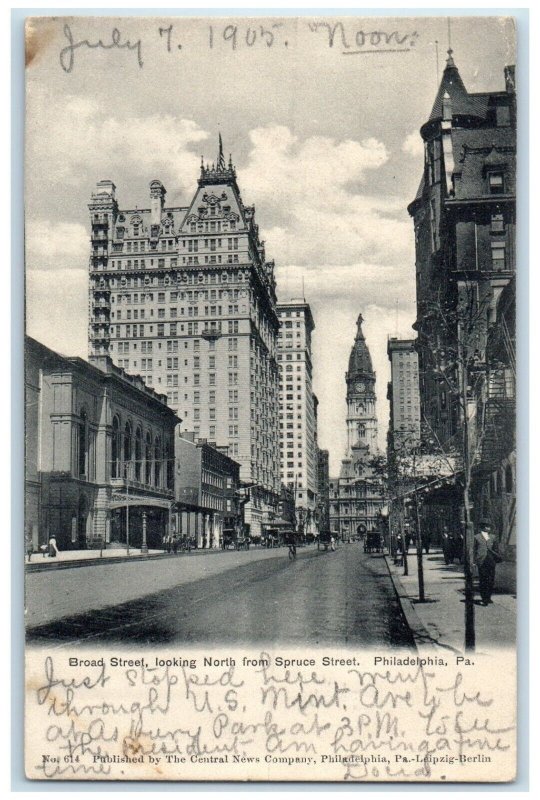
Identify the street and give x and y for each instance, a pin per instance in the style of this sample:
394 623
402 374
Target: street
340 598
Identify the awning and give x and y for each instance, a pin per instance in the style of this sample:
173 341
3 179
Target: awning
119 500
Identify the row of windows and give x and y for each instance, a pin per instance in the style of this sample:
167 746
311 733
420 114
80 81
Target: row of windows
140 331
175 279
218 259
172 345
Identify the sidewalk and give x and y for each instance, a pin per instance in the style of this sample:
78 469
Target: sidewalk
438 624
82 558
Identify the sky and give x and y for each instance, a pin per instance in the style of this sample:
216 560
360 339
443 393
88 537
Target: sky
324 139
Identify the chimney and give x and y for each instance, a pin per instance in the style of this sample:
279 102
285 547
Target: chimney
106 187
157 202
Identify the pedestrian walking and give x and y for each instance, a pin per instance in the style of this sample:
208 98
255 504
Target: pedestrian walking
487 556
426 538
175 544
447 545
400 547
332 543
53 547
29 544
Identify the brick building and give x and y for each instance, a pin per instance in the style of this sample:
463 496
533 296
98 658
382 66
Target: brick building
464 222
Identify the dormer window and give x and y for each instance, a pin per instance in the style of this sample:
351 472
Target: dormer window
496 182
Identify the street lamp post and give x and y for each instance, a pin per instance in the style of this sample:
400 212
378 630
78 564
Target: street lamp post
126 478
144 546
470 636
419 559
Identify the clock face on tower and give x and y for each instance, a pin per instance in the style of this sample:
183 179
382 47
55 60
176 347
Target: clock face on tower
359 386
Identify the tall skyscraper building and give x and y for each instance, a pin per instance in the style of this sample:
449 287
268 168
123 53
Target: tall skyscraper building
185 297
356 497
404 393
298 435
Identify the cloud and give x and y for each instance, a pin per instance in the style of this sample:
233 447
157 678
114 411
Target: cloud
57 309
413 145
81 139
313 207
56 246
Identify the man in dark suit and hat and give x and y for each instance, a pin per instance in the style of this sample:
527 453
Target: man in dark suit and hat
487 556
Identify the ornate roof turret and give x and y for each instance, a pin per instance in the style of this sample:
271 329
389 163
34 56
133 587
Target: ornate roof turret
219 172
360 358
453 95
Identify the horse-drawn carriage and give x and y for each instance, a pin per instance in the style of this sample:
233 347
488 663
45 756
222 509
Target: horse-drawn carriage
373 542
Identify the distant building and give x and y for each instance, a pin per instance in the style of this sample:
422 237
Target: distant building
357 496
323 491
287 509
185 296
99 453
404 394
297 409
206 492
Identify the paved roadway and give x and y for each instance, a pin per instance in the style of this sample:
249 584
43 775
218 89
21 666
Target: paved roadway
259 596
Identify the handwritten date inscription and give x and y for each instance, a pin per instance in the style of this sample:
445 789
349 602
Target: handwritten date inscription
236 36
415 723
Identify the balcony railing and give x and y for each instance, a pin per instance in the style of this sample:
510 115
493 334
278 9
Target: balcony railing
211 332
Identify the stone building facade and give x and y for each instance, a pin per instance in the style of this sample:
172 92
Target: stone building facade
185 297
207 505
357 496
99 453
297 409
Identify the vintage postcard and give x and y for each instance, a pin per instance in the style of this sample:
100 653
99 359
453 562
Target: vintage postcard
270 383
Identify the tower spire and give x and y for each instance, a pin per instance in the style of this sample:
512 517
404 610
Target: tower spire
221 158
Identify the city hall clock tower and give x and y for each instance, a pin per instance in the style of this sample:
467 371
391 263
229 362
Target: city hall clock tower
361 413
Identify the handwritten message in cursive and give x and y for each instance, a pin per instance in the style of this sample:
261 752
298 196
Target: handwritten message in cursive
264 717
343 36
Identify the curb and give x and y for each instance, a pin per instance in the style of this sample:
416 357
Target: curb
420 633
51 564
83 562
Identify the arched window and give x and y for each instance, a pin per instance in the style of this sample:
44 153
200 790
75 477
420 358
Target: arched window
169 466
138 454
127 449
508 480
116 449
83 445
148 459
157 459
